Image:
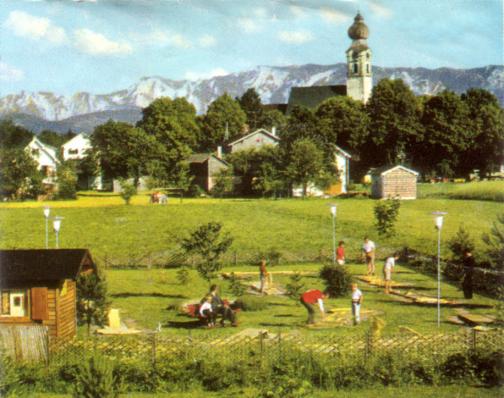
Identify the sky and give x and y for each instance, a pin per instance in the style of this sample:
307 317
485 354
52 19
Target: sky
101 46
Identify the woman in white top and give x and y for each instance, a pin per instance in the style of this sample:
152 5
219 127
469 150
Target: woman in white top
206 312
388 268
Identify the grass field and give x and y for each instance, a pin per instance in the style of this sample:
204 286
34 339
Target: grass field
148 297
483 190
391 392
300 228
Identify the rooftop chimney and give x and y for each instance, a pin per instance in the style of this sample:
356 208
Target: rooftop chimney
273 131
219 152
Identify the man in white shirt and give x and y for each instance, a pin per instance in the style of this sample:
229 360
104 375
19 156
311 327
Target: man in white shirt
368 250
387 271
356 303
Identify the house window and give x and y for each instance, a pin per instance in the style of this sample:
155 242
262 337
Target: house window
13 303
35 152
355 68
73 151
367 68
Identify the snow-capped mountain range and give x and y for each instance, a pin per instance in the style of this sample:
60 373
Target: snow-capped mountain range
272 83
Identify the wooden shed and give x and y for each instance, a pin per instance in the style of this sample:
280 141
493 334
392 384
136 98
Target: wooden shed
39 287
204 167
394 182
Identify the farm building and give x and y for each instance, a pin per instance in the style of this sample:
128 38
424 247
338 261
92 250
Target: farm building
394 182
204 167
38 287
255 139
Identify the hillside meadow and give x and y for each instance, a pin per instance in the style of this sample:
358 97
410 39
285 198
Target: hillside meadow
301 230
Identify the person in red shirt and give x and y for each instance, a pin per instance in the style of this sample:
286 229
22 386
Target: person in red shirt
340 253
309 299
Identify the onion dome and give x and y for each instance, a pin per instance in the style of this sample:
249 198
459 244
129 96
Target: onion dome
358 30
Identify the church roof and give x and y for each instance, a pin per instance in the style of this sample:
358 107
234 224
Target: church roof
311 97
358 30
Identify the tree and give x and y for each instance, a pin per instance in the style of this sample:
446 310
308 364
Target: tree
223 114
343 121
19 177
302 123
447 134
128 190
487 127
92 303
460 243
495 243
250 103
295 286
336 279
305 163
394 123
54 139
224 182
172 123
276 119
209 245
123 150
386 213
12 136
67 181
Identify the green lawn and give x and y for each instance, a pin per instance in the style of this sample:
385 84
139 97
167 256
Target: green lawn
152 296
301 229
394 392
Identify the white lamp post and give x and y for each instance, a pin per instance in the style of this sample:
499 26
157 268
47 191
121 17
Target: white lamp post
333 212
438 221
47 212
57 227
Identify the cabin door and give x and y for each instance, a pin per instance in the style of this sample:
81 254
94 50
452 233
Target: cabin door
17 304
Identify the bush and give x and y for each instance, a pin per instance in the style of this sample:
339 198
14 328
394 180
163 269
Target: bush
386 213
251 303
460 243
235 286
128 190
67 182
295 286
272 256
95 379
336 279
183 276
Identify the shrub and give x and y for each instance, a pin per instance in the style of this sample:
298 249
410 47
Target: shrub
251 303
295 286
235 286
183 276
128 190
460 243
386 213
495 243
336 279
92 302
224 183
272 256
67 182
95 379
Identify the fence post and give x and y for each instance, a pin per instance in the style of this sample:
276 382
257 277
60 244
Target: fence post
368 344
473 339
279 345
47 350
153 350
235 259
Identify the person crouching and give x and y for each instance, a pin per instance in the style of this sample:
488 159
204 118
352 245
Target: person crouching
309 299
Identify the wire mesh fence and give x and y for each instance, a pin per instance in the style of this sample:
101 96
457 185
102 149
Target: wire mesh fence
155 347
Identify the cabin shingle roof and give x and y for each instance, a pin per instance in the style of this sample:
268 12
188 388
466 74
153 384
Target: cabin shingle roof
43 265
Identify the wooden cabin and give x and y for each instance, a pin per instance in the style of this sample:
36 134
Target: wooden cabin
39 287
394 182
204 167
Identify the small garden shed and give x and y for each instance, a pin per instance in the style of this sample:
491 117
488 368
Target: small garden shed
394 182
38 287
204 167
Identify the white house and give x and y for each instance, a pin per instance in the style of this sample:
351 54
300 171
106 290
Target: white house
45 156
255 139
76 147
342 162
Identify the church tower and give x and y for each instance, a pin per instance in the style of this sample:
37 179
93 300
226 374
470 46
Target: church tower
359 76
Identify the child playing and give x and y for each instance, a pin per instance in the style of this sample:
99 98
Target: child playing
387 271
263 275
206 312
340 253
356 303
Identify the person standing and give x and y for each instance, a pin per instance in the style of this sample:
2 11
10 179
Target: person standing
467 282
368 251
309 299
263 275
357 299
388 268
340 253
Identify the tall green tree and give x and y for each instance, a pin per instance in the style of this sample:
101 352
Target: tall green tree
12 136
92 301
54 139
447 134
394 123
19 177
305 163
276 119
302 123
223 114
486 122
250 103
123 150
